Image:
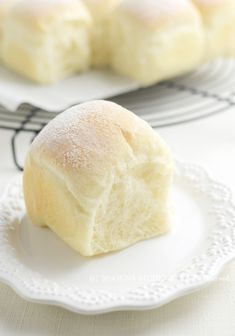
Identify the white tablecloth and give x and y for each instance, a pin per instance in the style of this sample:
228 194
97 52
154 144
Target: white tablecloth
209 142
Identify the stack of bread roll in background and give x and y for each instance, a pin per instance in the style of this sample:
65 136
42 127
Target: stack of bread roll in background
147 40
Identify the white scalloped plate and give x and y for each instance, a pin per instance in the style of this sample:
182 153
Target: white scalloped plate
41 268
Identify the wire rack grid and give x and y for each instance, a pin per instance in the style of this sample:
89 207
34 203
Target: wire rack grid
203 93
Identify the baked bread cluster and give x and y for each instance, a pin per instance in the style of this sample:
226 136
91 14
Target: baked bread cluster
99 177
147 40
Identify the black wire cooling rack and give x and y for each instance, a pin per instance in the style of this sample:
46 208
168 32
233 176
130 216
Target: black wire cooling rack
26 119
201 94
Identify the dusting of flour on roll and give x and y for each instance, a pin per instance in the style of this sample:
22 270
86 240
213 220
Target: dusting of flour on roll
155 40
99 177
154 12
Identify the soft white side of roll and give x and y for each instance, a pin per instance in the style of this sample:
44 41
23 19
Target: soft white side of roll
219 21
155 40
100 11
99 177
5 6
46 40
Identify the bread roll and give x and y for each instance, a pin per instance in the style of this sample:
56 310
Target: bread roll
100 11
5 6
155 40
219 21
46 40
99 177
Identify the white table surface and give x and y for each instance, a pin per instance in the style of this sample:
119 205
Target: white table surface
209 142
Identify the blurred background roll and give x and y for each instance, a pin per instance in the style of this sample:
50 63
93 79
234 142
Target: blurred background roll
219 26
5 6
155 40
47 40
100 11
